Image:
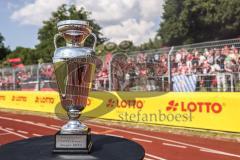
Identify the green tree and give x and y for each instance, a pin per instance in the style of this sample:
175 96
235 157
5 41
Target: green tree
4 51
154 43
45 48
192 21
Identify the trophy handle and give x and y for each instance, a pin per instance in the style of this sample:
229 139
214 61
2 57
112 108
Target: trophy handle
95 41
55 39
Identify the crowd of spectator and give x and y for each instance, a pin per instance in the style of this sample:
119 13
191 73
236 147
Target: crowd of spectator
6 82
215 67
209 61
25 78
46 72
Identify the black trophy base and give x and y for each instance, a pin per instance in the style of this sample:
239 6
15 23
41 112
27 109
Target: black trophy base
73 143
104 148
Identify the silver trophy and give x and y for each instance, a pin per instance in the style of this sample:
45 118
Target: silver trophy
74 66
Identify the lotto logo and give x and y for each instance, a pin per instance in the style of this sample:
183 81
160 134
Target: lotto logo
201 107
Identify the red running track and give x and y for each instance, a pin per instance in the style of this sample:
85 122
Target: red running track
158 145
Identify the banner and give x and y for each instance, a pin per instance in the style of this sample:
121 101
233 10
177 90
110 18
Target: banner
184 83
204 110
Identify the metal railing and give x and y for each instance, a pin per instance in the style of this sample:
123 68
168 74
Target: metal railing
194 67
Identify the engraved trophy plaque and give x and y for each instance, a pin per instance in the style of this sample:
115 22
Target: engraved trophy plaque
74 66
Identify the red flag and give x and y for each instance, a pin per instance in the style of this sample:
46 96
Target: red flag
14 60
108 58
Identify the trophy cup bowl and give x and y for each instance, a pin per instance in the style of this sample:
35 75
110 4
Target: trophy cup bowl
74 66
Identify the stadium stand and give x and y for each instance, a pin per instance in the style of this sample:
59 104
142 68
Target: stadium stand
208 66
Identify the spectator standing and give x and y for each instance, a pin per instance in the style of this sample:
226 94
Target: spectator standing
207 78
220 69
189 60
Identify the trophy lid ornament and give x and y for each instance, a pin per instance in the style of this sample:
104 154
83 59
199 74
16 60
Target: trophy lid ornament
75 32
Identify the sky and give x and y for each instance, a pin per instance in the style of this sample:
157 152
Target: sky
135 20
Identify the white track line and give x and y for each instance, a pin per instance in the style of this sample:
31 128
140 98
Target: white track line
145 158
164 139
27 122
156 157
93 132
114 135
41 124
10 129
37 135
215 152
20 131
17 120
17 134
174 145
55 126
142 140
10 118
2 134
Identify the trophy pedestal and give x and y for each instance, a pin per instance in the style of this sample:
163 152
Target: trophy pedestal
104 148
72 143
